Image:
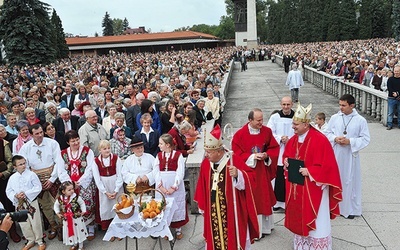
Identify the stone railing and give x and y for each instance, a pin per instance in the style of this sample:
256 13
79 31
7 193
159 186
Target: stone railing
194 160
369 101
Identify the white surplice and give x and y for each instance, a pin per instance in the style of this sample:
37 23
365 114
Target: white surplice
348 158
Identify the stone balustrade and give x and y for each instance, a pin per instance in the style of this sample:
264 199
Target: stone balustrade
369 101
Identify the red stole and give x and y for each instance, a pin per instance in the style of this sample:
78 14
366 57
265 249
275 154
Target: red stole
107 170
247 215
303 201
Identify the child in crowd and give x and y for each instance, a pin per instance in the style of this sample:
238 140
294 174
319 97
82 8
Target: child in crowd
107 175
69 207
168 172
319 121
22 189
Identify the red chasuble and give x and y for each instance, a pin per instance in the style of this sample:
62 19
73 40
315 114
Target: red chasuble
303 201
219 228
244 145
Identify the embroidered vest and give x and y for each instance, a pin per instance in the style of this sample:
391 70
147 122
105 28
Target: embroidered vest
172 163
81 162
74 206
107 170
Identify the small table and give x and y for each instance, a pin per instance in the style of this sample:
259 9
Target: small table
132 227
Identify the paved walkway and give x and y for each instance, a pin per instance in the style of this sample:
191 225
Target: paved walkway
377 229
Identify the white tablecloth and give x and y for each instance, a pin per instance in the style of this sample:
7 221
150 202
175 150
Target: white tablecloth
133 228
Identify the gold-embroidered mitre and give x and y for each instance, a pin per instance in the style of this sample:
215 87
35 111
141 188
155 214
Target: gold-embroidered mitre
213 140
303 114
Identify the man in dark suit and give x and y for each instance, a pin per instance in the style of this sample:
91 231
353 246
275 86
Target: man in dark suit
69 97
66 119
133 111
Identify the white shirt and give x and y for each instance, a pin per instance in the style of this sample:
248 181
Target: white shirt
27 182
146 133
134 168
45 155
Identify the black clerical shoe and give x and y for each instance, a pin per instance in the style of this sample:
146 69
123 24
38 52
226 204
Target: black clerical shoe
350 217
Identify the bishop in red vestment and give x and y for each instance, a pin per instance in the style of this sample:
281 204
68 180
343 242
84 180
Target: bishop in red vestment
310 207
256 146
221 188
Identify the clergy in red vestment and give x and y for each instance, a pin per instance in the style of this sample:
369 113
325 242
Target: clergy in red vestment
224 196
311 206
256 146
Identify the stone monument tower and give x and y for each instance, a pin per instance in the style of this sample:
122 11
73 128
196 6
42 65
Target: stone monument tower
245 23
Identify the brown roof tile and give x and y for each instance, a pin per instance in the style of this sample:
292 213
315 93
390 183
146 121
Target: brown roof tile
178 35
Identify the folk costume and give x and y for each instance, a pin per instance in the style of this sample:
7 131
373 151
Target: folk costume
136 167
355 128
79 168
246 143
168 171
214 195
29 183
280 125
74 228
45 160
310 207
107 176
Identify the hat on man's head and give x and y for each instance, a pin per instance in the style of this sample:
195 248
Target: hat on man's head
136 142
303 114
213 140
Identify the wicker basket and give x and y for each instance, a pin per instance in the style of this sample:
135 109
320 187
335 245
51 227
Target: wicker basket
163 202
122 215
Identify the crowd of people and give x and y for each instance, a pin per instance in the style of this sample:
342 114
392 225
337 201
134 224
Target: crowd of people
367 62
79 129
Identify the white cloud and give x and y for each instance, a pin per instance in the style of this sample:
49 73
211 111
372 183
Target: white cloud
84 17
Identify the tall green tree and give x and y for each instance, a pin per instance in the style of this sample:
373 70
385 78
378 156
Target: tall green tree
107 25
274 21
396 20
125 24
387 9
378 17
58 37
25 31
226 28
365 20
348 20
118 26
333 21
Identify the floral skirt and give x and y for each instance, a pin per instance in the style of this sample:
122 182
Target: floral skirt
88 196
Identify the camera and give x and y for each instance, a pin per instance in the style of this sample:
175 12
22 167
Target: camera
20 216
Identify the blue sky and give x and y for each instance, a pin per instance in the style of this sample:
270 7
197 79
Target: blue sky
84 17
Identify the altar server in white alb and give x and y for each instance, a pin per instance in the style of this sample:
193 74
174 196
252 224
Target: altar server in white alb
281 125
294 80
348 132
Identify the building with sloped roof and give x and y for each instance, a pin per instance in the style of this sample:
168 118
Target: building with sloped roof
147 42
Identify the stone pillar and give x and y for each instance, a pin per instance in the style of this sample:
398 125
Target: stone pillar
252 41
245 23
